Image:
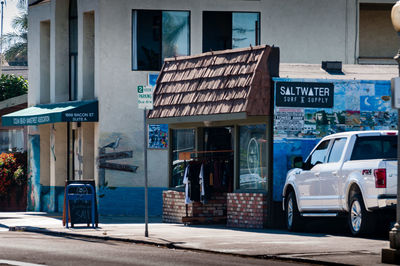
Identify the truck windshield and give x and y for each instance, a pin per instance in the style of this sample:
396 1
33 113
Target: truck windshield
375 147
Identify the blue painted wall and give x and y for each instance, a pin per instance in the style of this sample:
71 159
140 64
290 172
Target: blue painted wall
51 199
129 201
120 201
358 105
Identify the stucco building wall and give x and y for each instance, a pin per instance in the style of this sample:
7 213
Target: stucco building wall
306 32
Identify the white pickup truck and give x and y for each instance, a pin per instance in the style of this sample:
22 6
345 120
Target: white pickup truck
354 173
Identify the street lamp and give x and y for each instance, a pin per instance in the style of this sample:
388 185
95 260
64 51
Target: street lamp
392 255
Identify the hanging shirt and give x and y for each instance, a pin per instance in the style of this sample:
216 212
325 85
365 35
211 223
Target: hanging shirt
201 181
186 182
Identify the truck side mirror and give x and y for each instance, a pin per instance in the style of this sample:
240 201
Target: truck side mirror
298 162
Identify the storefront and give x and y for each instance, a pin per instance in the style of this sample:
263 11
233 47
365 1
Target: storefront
235 127
60 148
217 106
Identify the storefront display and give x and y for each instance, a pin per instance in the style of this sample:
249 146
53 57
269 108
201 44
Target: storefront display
222 101
252 159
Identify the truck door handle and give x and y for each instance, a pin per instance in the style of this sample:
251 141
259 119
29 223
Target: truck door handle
317 174
335 173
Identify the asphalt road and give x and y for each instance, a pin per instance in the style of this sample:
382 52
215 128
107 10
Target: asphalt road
29 249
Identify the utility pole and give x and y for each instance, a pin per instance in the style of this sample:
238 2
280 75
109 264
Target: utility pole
146 199
1 41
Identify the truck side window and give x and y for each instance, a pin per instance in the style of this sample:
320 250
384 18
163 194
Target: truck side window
318 156
337 150
375 147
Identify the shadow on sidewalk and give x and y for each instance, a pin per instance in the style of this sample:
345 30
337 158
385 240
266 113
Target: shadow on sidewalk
313 227
105 219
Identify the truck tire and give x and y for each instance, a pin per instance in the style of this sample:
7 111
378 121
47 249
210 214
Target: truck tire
293 217
361 222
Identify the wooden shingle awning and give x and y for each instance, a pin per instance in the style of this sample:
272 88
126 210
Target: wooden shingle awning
232 84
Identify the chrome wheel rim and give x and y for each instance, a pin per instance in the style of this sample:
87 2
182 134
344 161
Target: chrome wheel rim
290 213
356 216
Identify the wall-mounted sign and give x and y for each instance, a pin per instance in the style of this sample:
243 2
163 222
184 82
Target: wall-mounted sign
145 97
304 94
152 79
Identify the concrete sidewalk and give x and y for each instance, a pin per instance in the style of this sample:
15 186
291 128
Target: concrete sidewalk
268 243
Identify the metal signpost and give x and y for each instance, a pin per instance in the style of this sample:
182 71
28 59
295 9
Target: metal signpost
145 102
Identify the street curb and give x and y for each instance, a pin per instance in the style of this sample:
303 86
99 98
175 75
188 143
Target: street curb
173 246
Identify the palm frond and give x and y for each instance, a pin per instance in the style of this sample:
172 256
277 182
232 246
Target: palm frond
20 22
16 43
22 4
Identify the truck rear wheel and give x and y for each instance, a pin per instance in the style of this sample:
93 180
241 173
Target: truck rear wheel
293 218
360 221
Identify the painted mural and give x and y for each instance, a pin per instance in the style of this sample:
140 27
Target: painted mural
306 110
120 189
112 155
33 173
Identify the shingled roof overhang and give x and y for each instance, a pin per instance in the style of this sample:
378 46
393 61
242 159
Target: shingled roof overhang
214 86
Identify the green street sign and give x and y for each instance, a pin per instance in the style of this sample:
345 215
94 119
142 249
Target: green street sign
145 97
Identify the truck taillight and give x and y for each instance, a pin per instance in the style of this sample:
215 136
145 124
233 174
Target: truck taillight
380 178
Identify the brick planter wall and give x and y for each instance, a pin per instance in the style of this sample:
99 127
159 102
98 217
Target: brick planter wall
246 210
174 206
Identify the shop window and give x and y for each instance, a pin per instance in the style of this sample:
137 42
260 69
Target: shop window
217 159
12 140
253 150
227 30
157 35
378 42
183 140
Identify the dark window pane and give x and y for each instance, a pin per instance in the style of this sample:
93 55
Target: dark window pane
175 34
73 35
377 147
337 150
183 140
73 77
148 40
157 35
217 31
253 160
245 27
218 139
73 49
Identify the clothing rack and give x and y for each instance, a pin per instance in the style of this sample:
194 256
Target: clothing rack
204 155
187 155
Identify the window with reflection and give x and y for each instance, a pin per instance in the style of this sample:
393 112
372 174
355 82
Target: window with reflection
183 141
318 156
227 30
337 150
157 35
253 148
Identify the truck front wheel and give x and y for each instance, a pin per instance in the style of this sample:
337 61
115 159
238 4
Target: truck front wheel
360 220
293 218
